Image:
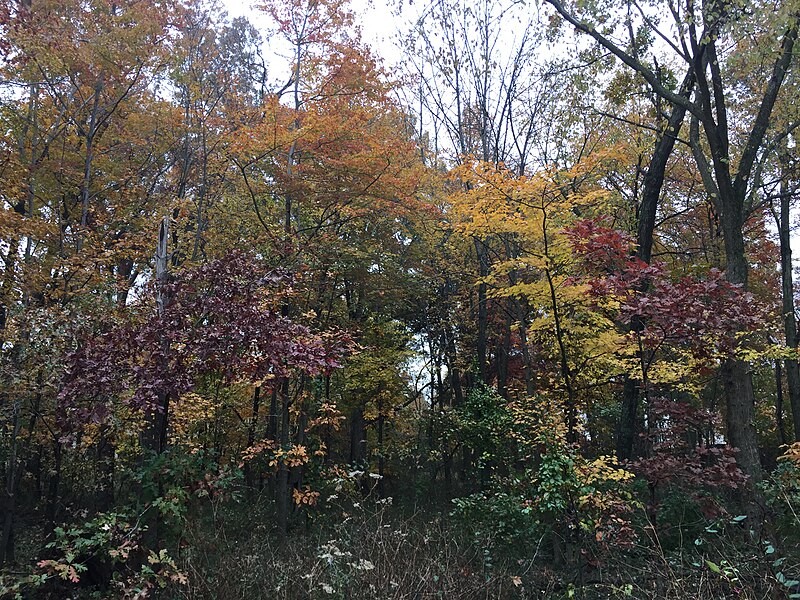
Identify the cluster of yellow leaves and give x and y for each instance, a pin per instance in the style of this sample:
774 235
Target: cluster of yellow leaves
322 450
257 450
679 368
295 456
792 453
771 352
306 497
191 411
606 500
603 469
327 416
601 506
491 200
537 263
538 421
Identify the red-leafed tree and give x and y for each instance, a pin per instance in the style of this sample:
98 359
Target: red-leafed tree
223 318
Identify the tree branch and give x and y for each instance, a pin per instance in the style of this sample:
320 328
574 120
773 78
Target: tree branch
761 123
626 58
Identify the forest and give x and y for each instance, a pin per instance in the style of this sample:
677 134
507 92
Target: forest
503 311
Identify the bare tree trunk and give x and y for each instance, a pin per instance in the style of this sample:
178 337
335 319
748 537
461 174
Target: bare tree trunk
154 437
779 402
358 436
504 352
10 490
736 376
272 434
282 488
452 369
158 417
381 461
483 312
740 417
251 433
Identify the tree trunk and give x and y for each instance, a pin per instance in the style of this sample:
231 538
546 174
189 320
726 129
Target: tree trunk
504 353
154 437
787 296
358 437
646 222
736 376
779 402
626 429
282 487
10 495
453 371
483 312
740 417
251 433
271 433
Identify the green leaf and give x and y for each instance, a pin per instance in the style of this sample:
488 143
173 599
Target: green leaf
738 519
713 566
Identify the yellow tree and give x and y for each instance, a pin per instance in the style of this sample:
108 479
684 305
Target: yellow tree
559 318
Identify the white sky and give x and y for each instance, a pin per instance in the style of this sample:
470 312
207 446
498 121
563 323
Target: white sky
379 24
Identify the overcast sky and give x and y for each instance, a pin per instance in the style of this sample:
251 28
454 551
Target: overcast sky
377 21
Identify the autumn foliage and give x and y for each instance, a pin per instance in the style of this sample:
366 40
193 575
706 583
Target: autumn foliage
504 320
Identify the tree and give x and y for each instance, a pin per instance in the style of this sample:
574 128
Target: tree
329 170
482 98
575 340
222 318
699 32
83 71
